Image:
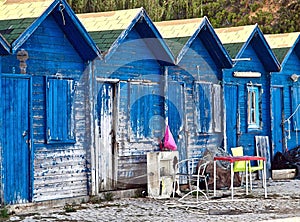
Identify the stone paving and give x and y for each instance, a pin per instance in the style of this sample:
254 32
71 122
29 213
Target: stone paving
282 204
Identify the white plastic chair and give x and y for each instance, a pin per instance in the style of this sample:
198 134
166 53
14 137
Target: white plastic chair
188 171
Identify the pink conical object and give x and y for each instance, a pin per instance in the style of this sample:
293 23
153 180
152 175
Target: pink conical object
169 140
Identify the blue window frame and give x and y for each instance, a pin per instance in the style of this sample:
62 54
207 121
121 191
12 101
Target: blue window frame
295 107
253 110
60 118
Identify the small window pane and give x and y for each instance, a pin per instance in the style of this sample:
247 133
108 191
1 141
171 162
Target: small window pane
253 107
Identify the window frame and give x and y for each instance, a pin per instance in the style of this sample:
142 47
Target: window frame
136 91
253 107
212 93
66 121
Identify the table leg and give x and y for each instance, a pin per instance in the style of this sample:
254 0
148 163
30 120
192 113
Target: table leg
265 179
232 173
215 178
246 177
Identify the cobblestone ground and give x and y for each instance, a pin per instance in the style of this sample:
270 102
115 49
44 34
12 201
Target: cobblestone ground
282 204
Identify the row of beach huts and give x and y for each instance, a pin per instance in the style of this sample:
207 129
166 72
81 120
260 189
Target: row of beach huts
85 97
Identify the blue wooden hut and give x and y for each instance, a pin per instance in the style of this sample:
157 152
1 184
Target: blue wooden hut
247 86
285 92
45 97
195 83
128 106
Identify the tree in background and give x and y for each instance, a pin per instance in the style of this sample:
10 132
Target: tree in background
272 16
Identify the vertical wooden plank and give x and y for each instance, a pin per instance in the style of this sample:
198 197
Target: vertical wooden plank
277 120
16 162
231 101
105 139
217 111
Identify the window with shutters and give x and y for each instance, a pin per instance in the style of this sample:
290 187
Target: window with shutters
208 101
60 118
253 110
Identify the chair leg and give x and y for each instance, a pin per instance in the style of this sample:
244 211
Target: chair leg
250 175
206 186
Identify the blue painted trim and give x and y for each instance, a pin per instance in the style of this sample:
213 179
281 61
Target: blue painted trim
205 24
122 36
31 152
29 31
293 48
275 66
141 14
4 46
1 142
159 37
82 30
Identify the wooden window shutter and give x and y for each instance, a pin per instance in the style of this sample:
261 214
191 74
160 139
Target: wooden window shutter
204 107
217 108
59 110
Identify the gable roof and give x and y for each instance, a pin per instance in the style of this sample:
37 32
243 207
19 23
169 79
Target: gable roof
106 27
177 32
237 39
282 43
109 29
180 34
20 18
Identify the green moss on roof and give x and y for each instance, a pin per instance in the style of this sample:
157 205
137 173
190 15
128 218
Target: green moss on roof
12 29
233 48
176 44
104 39
280 53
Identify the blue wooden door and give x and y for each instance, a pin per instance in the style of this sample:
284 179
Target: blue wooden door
231 104
277 112
15 139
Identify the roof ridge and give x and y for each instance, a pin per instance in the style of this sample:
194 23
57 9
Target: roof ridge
179 21
106 13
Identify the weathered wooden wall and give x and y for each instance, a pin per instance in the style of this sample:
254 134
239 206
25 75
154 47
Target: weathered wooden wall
138 76
60 170
199 73
245 136
283 81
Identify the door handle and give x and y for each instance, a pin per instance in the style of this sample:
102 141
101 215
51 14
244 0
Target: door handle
24 133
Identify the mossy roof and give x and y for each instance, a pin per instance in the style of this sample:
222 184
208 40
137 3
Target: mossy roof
106 27
233 38
281 43
17 16
177 32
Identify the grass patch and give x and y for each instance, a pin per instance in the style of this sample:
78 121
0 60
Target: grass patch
70 208
4 213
